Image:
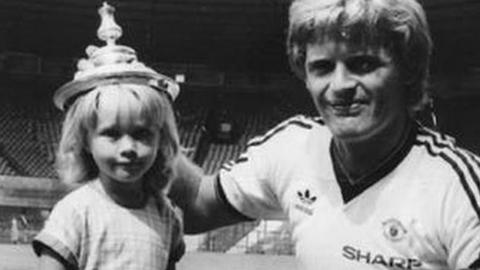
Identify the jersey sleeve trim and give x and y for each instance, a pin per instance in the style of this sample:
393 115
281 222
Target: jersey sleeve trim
298 120
223 198
45 240
463 163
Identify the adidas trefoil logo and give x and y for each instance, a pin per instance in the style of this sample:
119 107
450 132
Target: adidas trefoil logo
306 199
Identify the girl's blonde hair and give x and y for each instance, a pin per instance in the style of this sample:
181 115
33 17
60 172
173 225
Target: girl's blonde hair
75 165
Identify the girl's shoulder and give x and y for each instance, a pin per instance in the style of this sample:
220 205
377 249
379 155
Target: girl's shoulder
80 196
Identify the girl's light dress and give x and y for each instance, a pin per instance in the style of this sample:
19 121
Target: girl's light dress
90 231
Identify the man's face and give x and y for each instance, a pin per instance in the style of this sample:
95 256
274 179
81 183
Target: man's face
357 90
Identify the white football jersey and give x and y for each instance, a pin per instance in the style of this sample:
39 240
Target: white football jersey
418 210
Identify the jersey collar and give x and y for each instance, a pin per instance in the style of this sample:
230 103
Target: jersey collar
349 190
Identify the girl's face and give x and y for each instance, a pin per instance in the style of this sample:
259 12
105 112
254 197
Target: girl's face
123 144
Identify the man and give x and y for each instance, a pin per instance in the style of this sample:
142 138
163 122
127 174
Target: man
363 185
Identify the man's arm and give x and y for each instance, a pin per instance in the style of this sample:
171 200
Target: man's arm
202 201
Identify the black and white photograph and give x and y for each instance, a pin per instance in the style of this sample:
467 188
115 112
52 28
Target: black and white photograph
240 134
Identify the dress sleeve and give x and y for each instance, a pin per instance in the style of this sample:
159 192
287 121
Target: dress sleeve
61 233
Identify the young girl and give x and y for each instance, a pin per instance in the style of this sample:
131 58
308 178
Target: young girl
120 149
121 143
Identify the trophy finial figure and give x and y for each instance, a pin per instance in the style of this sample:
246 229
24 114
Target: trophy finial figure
111 64
109 31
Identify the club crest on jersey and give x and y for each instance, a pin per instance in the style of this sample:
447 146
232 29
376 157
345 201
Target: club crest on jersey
306 200
393 230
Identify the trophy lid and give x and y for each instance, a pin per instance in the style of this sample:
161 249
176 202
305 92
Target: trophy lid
111 64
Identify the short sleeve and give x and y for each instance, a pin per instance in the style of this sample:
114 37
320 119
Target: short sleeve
462 228
61 233
246 184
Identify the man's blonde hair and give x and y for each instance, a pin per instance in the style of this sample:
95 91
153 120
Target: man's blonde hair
400 26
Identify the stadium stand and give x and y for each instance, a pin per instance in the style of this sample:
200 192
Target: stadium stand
191 112
5 167
19 143
47 128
